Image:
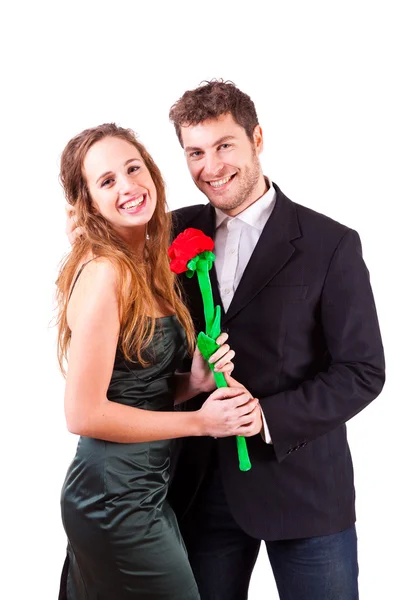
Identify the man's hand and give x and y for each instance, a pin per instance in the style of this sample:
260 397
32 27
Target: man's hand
228 412
256 424
73 232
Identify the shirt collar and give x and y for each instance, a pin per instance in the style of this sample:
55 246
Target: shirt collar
257 214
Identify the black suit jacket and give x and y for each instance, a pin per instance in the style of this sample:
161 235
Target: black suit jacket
304 328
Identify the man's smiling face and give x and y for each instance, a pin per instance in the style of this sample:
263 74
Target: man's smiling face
224 163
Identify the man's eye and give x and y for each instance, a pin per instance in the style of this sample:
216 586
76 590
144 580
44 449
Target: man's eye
225 146
195 154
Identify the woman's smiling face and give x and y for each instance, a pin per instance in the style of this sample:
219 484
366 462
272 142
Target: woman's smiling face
120 185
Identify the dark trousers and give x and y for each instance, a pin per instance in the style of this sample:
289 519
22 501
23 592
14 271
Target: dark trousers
223 556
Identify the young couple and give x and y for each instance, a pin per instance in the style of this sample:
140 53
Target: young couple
298 306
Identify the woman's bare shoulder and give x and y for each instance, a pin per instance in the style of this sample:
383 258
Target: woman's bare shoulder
95 290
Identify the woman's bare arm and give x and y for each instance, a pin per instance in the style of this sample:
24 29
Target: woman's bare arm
93 319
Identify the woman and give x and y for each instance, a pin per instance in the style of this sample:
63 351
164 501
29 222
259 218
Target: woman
125 328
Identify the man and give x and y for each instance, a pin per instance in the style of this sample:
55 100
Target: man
298 306
300 314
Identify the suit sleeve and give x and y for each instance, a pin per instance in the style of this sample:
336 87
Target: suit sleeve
356 373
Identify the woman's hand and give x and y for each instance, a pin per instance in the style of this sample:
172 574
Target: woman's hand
228 412
201 375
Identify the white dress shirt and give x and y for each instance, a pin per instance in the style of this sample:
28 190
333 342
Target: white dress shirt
235 240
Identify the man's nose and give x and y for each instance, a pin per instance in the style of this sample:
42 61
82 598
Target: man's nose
212 165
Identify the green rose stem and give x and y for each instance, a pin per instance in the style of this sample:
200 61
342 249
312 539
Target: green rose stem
202 264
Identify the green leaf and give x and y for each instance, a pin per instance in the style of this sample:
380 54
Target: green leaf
216 326
206 344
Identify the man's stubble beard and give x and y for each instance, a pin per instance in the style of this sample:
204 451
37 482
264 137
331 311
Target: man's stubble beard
250 178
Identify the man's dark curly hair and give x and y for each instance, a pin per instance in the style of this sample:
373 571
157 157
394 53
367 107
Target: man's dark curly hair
211 100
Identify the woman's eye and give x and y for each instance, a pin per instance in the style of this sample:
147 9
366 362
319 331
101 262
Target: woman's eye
106 182
133 169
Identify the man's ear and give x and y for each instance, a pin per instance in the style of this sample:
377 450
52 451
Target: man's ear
258 139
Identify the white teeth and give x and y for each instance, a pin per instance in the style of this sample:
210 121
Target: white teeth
220 182
134 203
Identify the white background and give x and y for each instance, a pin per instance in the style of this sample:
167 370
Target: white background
324 79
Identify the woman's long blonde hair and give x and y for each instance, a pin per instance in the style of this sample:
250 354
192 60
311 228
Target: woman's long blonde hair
139 281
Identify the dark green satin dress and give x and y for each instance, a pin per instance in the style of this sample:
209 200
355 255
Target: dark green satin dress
123 538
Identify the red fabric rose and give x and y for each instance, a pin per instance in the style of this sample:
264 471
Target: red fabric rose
186 246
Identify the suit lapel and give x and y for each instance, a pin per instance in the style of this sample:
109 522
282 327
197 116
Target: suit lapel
272 252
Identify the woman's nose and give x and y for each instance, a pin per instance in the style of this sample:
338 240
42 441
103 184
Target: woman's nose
126 186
